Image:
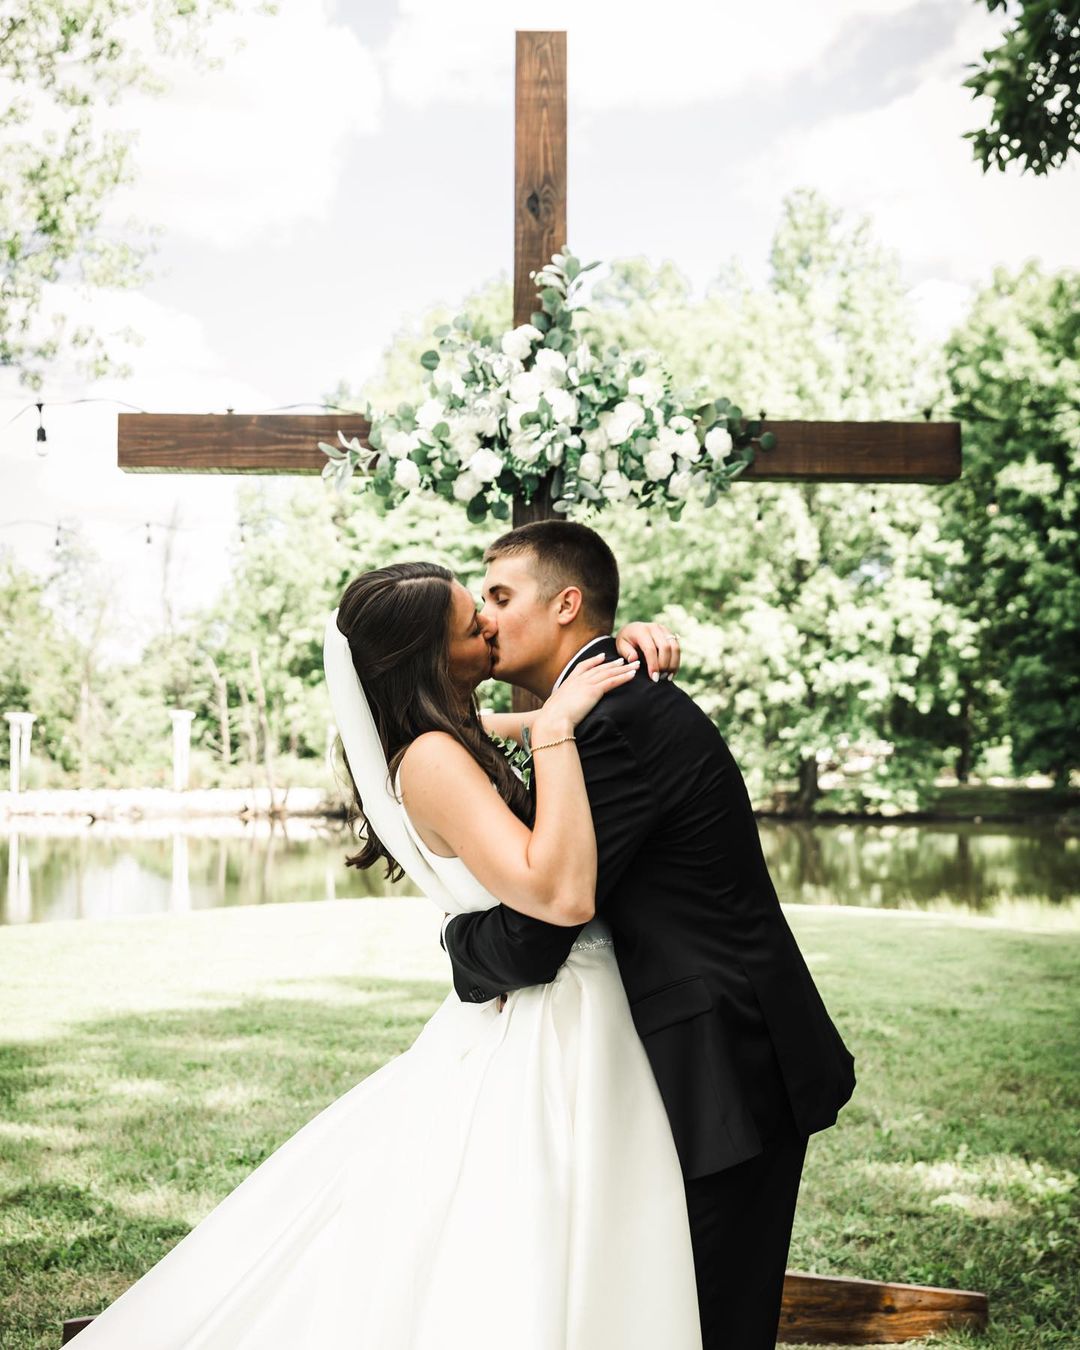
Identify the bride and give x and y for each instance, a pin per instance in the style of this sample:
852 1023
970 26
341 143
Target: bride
510 1179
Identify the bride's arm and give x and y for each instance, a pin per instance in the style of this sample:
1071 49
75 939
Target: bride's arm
548 872
508 726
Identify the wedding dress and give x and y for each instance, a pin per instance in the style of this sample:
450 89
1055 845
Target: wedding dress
509 1180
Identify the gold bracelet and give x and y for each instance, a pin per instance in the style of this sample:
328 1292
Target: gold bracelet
548 744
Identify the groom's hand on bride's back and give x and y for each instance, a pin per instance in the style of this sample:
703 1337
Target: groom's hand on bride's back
659 648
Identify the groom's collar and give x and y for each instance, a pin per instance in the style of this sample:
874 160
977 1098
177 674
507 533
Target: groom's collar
580 655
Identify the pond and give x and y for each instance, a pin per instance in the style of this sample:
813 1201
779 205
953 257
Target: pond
53 870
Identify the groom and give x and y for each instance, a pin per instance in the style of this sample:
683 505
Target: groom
746 1057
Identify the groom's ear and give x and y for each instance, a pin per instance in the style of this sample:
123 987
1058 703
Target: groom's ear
568 605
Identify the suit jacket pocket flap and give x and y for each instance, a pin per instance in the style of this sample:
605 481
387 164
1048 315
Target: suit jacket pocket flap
674 1003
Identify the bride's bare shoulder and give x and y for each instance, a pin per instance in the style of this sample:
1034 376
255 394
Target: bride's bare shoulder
434 753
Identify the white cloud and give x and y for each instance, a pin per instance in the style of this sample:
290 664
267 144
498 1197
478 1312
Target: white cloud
618 54
906 165
254 148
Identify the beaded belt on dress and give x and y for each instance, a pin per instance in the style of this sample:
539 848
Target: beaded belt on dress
589 941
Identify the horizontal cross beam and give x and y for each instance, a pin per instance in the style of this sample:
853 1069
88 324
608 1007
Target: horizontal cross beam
282 443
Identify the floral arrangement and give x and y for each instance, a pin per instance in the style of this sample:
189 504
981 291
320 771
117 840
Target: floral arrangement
498 417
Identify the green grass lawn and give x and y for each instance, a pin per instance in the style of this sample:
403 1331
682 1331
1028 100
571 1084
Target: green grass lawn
148 1065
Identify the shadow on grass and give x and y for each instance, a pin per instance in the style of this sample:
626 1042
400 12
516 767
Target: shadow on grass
950 1166
119 1136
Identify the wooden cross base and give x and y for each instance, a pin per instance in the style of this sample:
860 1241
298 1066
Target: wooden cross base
834 1310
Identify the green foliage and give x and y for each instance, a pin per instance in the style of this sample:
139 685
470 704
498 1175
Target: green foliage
62 62
1033 81
1014 369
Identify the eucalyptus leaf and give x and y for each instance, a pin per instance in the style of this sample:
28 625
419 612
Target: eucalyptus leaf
429 360
540 320
768 440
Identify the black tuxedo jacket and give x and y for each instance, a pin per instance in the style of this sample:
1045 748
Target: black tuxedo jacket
733 1025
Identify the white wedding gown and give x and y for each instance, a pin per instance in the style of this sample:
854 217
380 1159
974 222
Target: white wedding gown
509 1181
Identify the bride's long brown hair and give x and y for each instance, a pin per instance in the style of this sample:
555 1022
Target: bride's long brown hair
397 623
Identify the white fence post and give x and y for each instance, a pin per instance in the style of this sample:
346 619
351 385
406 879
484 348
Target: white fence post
20 729
181 747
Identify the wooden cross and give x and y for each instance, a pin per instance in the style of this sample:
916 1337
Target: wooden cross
815 1308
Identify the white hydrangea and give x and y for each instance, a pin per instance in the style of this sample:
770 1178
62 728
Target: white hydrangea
407 474
399 443
430 413
719 443
648 387
615 486
659 463
668 440
550 365
595 440
466 486
689 447
464 443
526 387
486 465
591 468
563 405
517 344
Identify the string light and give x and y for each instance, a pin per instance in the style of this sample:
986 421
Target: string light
42 444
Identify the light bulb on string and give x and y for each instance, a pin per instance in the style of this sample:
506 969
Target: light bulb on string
149 540
42 446
57 534
241 533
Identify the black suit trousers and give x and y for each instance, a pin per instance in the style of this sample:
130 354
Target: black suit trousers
740 1226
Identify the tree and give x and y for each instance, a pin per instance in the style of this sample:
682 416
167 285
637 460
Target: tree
812 620
1014 368
1033 81
57 172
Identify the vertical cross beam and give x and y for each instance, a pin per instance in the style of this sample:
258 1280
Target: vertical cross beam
539 184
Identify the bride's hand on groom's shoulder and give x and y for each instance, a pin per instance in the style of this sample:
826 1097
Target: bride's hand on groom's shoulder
658 646
578 694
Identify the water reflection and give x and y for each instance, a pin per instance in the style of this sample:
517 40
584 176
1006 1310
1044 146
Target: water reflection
68 870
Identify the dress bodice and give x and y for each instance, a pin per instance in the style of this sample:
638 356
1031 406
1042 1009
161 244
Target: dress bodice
470 894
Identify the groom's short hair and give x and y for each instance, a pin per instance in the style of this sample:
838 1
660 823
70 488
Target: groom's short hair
566 554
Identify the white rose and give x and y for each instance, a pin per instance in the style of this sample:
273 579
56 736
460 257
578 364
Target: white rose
611 459
486 465
680 484
527 447
719 443
485 419
550 365
407 474
615 486
563 405
623 420
464 443
517 344
668 441
689 446
681 423
595 440
429 414
399 443
516 411
503 367
466 486
658 463
590 467
526 387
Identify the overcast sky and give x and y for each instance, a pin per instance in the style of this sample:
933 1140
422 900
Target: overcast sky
352 164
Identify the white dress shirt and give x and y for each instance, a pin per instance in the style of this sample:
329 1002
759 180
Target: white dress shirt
562 676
